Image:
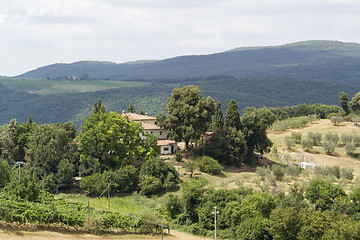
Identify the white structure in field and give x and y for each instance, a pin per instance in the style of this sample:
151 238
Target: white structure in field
306 165
149 125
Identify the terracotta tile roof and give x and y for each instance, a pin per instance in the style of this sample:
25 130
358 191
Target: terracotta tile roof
165 142
138 117
147 126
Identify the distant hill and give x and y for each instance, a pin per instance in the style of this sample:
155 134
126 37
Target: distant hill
330 61
304 72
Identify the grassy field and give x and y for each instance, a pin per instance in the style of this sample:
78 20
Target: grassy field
48 87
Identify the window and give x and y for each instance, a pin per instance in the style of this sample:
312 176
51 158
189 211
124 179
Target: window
160 132
143 133
151 132
166 149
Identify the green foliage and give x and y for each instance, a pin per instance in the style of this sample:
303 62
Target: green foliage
191 166
154 172
189 114
94 184
27 189
178 156
209 165
149 184
293 171
4 172
350 148
289 142
336 119
173 205
329 147
278 171
347 173
344 102
228 146
253 228
218 120
314 137
295 122
355 103
322 193
232 116
284 223
254 123
108 140
263 172
307 144
127 179
296 136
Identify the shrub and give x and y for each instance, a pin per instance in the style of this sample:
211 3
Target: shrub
178 156
149 184
296 136
350 148
356 139
307 144
356 119
332 137
127 179
336 119
263 172
346 138
293 171
314 137
278 171
347 173
289 142
329 147
209 165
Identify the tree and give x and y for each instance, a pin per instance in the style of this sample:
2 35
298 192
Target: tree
355 103
4 172
254 123
322 193
232 116
131 108
108 140
344 102
99 107
218 121
189 114
209 165
9 143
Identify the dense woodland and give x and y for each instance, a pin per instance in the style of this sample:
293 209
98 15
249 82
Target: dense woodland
39 159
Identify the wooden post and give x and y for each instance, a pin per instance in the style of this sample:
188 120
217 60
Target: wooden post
162 235
109 196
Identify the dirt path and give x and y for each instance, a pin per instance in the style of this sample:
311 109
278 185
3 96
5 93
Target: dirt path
21 232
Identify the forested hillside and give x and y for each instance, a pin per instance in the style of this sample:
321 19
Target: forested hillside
322 60
306 72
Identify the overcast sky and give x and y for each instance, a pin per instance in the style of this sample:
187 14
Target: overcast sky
35 33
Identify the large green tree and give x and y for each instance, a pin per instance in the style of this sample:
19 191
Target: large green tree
108 141
344 101
355 103
189 114
218 121
232 116
254 123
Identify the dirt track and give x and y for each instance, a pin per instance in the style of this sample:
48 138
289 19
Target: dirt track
21 232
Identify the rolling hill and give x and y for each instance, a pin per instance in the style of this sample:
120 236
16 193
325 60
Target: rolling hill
304 72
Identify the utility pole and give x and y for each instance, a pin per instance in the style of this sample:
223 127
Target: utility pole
109 195
215 213
19 163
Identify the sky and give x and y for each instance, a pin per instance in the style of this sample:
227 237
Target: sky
35 33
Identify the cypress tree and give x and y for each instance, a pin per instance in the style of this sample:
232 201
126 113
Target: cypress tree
218 122
232 117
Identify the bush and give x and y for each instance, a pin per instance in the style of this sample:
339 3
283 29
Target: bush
278 171
289 142
336 119
127 179
296 136
307 144
293 171
263 172
332 137
178 156
347 173
314 137
209 165
350 148
149 184
356 139
346 138
329 147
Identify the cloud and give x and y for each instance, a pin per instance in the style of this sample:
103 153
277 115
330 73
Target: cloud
41 32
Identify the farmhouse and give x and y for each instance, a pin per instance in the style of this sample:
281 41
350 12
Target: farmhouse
149 125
